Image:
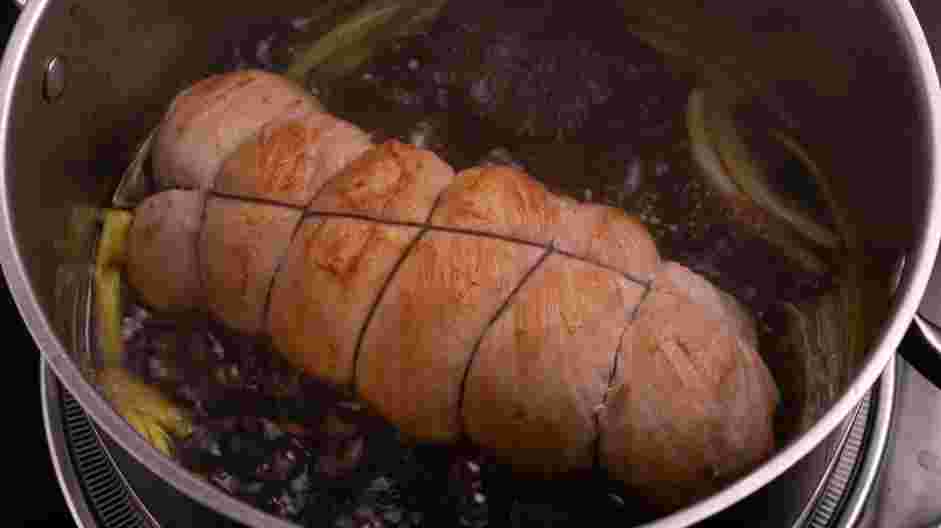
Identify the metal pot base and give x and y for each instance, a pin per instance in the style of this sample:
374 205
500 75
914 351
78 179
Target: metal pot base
105 487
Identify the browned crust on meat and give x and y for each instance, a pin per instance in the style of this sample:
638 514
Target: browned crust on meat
502 201
291 159
394 181
543 368
690 407
415 351
331 276
610 237
240 247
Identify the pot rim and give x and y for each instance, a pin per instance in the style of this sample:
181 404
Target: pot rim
914 281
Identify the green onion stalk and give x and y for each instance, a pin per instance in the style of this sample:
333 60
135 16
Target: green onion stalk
146 409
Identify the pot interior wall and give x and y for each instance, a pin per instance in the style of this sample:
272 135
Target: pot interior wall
839 70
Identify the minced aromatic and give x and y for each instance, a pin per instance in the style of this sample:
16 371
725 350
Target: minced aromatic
297 449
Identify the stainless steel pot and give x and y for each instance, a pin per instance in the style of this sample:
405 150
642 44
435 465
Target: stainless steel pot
82 83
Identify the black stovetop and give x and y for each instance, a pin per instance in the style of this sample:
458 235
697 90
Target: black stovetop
37 500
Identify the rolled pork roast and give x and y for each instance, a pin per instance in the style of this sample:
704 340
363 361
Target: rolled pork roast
472 305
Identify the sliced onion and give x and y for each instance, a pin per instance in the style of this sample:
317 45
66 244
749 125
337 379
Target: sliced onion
355 40
801 154
703 150
718 175
749 177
